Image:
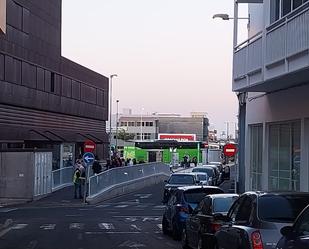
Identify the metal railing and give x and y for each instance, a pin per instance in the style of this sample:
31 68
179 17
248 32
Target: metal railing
112 177
62 178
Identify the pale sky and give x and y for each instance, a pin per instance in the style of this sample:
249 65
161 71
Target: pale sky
170 55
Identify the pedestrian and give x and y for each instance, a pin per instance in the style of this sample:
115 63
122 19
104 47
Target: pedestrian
134 161
77 184
96 166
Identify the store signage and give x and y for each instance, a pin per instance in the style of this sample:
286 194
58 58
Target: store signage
177 137
3 16
89 146
230 150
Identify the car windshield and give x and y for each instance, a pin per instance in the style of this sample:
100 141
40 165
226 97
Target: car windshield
209 171
281 208
222 205
196 195
181 179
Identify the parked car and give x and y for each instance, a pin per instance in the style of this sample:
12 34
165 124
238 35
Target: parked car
202 224
255 219
181 202
211 172
296 236
218 164
202 178
217 172
177 180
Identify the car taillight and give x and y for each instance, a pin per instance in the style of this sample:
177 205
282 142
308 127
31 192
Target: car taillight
215 227
256 239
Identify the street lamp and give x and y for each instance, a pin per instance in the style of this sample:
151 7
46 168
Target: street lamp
116 146
110 112
142 124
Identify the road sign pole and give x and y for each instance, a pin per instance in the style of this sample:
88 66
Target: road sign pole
86 184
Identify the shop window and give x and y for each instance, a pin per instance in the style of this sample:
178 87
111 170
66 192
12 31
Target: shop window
256 156
284 156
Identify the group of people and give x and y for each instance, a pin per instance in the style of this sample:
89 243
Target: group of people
116 161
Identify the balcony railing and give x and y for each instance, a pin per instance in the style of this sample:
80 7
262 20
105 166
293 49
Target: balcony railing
282 49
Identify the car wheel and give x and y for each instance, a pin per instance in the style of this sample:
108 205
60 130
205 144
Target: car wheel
164 226
176 234
184 240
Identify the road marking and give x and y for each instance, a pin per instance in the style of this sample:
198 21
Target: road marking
131 244
151 219
131 219
106 226
85 209
159 226
48 227
143 196
19 226
141 206
135 227
159 207
121 206
103 206
73 215
6 210
76 226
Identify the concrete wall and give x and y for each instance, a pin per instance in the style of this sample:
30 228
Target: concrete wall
127 187
16 175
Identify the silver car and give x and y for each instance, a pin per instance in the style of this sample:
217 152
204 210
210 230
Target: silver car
255 219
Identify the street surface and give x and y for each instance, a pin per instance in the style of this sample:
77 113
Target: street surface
58 222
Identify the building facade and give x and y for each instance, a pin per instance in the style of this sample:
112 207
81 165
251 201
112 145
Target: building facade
271 75
152 125
46 100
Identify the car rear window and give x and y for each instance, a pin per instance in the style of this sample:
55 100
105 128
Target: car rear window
222 205
281 208
202 177
196 195
209 171
181 179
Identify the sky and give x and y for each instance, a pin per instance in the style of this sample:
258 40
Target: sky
170 55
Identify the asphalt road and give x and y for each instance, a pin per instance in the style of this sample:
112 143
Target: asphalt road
131 221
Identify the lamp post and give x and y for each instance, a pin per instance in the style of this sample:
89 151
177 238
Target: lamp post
226 17
116 146
142 124
110 112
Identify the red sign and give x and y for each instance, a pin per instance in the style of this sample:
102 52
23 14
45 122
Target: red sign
230 150
178 137
89 146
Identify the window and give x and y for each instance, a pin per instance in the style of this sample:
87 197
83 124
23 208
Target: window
52 82
149 124
280 8
244 213
284 156
302 226
131 124
139 124
281 208
147 136
256 156
124 124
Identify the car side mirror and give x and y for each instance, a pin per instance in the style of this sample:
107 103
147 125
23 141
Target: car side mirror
287 231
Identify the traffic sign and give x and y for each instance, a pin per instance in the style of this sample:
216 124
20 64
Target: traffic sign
230 150
88 158
89 146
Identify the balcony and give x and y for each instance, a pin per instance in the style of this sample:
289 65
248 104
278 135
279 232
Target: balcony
276 58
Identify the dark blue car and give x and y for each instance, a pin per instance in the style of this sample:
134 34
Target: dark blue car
181 203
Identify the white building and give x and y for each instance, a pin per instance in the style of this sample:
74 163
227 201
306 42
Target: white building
271 73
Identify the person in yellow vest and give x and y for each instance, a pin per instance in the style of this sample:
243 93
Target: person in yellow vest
77 180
